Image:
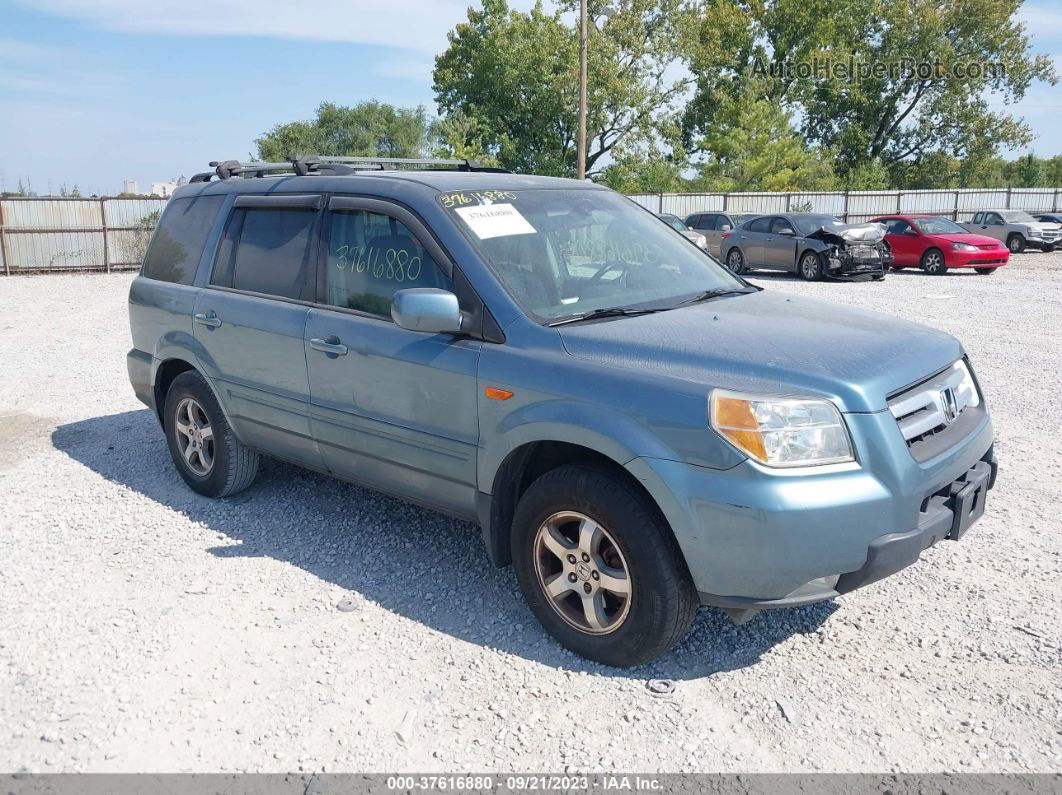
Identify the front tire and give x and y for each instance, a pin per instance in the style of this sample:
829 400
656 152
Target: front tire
204 449
985 271
933 262
599 567
810 267
1048 249
1016 243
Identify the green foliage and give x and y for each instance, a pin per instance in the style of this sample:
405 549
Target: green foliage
365 130
514 78
867 119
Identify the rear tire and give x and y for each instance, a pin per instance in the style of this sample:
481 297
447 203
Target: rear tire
205 451
1048 249
1016 243
985 271
558 521
810 266
735 261
933 262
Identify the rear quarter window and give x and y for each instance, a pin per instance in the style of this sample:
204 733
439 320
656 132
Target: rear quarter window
177 244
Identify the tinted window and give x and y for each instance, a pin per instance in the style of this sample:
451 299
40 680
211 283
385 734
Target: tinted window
897 227
177 244
760 225
268 251
780 225
992 218
706 221
370 257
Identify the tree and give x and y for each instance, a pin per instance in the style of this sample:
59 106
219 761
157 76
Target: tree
879 83
368 129
514 78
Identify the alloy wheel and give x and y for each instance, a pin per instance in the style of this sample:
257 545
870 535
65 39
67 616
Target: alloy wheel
734 261
810 266
934 263
195 436
582 572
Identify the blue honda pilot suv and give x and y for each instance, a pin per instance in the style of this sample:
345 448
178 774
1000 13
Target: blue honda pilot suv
636 429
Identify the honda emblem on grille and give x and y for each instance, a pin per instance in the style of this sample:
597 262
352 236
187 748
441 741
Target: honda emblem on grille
948 404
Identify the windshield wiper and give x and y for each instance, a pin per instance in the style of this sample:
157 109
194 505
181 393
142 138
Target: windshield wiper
708 295
613 311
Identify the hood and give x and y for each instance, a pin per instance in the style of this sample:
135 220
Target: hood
771 343
1039 225
850 233
972 239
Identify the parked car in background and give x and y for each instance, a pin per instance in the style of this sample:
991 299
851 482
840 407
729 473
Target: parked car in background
1049 218
677 224
636 429
713 225
935 244
1016 228
808 244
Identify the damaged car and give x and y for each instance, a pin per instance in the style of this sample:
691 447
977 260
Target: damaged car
811 245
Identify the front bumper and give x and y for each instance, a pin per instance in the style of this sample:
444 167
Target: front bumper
840 264
984 258
754 539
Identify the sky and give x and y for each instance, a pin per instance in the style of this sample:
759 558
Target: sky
93 92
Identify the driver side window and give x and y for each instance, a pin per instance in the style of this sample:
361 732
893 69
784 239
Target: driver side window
760 225
781 226
898 227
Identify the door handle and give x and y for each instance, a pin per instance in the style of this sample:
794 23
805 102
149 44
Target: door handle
324 346
207 319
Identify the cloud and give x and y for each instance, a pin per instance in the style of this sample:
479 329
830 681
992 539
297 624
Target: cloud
15 50
408 24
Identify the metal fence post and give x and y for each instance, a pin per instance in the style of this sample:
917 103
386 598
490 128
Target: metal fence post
899 198
955 215
3 242
788 201
844 212
1054 202
103 225
725 197
1009 189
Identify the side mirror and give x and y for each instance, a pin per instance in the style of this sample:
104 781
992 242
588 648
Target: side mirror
426 309
726 228
911 233
788 232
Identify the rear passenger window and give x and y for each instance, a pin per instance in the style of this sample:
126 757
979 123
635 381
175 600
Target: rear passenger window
177 244
268 251
760 225
706 222
371 256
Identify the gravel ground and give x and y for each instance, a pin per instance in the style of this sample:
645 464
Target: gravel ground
145 628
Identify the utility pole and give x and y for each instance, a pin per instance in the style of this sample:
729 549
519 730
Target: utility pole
581 168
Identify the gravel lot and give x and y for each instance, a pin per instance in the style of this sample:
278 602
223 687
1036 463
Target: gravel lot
143 627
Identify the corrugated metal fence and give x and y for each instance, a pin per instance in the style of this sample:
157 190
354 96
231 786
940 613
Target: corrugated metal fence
857 206
112 234
75 234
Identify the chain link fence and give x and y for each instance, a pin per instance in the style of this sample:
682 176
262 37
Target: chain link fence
98 234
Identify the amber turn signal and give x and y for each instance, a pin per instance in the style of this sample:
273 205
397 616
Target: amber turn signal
497 394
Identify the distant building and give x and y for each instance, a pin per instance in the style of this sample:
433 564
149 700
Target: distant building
130 186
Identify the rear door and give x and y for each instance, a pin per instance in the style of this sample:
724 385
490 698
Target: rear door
706 225
392 408
752 237
249 322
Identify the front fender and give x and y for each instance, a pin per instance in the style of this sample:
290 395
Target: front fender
598 428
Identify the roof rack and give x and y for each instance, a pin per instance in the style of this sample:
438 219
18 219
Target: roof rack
326 164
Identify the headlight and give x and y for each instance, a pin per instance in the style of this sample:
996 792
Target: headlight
966 392
1036 233
963 247
701 241
781 432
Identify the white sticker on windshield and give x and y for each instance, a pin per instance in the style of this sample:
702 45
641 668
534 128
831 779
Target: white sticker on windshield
495 220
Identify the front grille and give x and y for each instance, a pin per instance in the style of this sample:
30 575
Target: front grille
986 262
923 412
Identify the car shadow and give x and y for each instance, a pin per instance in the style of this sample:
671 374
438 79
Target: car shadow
381 548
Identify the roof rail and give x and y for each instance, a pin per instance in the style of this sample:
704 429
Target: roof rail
305 165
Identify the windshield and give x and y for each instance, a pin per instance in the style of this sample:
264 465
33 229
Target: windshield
740 218
674 222
938 226
806 224
564 253
1016 216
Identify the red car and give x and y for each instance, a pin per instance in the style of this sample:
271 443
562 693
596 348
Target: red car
935 244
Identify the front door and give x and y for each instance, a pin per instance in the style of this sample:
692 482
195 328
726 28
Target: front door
249 322
904 241
780 251
392 408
